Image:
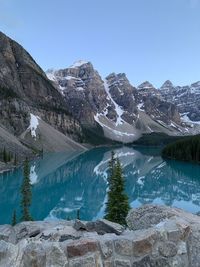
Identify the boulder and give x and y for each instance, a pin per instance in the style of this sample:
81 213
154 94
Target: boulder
150 215
100 226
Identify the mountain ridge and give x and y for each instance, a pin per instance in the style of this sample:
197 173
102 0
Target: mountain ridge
81 105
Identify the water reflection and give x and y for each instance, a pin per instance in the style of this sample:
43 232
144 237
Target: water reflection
62 184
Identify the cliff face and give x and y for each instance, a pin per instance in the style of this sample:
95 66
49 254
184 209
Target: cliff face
157 236
24 88
122 111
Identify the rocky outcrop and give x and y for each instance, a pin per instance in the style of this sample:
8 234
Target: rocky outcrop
24 88
122 111
158 236
186 98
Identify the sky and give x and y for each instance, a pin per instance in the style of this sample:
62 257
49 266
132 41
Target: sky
152 40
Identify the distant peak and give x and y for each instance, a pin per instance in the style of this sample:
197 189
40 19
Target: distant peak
79 63
146 85
197 84
167 85
51 70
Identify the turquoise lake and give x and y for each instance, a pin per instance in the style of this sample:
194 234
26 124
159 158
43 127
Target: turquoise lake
61 184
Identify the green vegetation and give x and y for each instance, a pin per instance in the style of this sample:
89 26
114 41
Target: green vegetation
26 193
14 218
95 136
117 206
187 149
78 214
156 139
6 156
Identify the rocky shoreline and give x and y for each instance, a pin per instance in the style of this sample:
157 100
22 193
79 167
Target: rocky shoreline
157 236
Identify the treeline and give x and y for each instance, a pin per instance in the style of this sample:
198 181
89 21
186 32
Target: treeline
6 156
187 149
156 139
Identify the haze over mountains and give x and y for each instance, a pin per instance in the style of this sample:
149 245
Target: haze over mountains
59 110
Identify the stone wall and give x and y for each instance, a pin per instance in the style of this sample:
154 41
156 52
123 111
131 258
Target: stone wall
160 237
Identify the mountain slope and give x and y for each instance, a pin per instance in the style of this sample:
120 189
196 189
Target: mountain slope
123 112
186 98
42 136
24 87
25 90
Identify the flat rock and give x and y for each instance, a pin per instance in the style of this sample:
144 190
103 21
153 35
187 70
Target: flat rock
150 215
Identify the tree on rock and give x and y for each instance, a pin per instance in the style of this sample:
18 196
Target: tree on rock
14 218
117 206
26 193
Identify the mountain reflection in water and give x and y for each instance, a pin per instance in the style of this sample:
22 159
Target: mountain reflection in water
62 184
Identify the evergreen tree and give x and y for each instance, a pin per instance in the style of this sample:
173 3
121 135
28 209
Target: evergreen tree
26 193
187 149
15 160
78 214
5 156
117 206
14 218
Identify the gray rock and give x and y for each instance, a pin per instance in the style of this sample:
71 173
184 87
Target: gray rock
34 254
80 225
122 263
83 262
168 249
7 233
123 247
149 215
104 226
100 226
173 242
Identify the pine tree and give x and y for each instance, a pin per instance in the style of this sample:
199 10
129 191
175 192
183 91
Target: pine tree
117 206
15 160
78 214
26 193
14 218
5 156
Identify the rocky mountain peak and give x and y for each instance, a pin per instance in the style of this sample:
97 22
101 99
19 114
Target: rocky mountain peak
80 63
117 80
167 85
146 86
195 87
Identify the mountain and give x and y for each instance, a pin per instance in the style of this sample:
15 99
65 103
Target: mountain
187 100
25 90
59 109
122 111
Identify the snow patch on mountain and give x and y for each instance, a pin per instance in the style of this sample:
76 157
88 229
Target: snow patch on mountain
51 75
186 119
140 106
34 122
78 63
118 109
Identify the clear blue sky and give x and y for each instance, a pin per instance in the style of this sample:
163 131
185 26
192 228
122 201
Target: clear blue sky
150 40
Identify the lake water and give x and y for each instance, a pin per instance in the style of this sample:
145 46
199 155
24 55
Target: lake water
63 184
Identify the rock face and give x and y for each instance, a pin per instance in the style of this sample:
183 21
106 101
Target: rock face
122 111
162 236
81 105
25 89
186 98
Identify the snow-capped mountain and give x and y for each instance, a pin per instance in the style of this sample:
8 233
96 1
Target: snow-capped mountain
186 99
77 103
122 111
